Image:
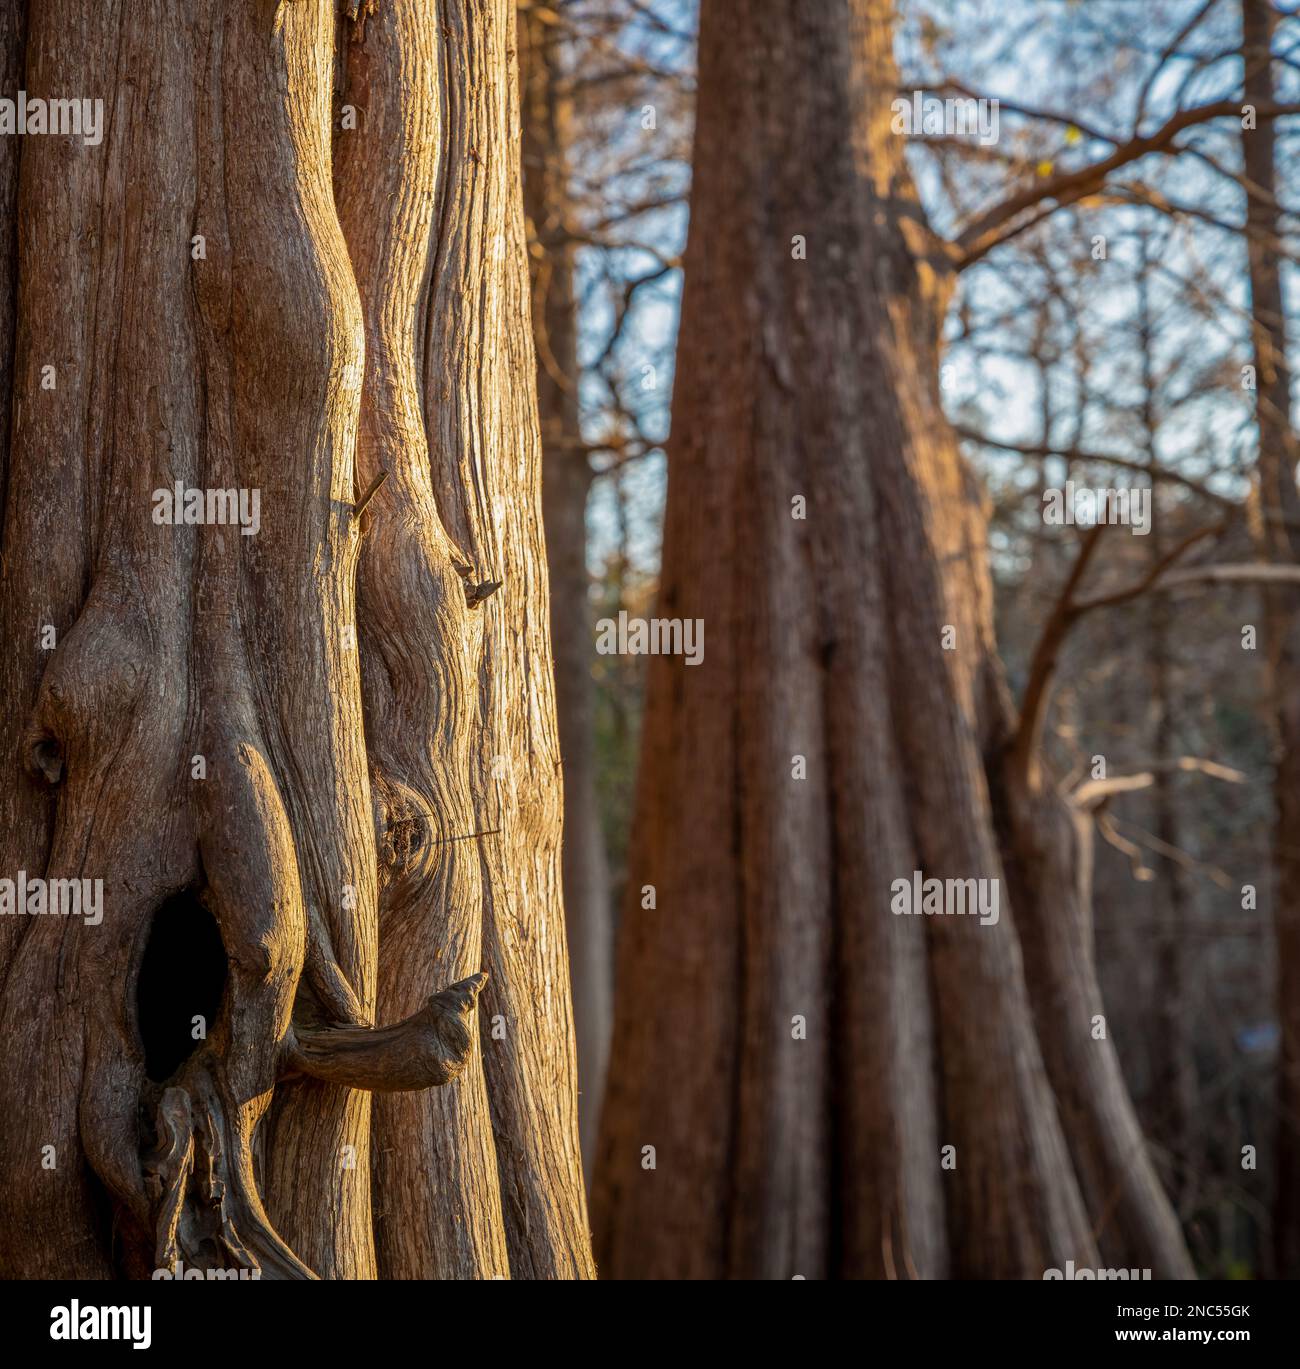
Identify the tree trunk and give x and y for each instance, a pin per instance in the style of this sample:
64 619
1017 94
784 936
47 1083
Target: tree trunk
322 738
1175 1104
795 1054
1279 508
1174 1086
566 483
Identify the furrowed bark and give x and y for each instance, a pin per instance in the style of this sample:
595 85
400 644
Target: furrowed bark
276 820
477 369
793 382
438 1213
456 676
295 442
63 449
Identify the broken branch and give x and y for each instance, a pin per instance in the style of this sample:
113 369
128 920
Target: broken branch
428 1049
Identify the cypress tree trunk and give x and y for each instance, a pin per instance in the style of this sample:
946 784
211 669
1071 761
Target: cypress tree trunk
794 1052
315 766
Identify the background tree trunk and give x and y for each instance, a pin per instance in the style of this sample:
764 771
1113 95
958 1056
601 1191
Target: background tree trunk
377 812
566 483
1279 509
816 379
1174 1123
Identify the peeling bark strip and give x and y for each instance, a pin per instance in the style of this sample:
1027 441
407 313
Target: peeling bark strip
297 726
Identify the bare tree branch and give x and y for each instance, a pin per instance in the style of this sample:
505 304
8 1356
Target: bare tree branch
1006 220
1068 610
1125 463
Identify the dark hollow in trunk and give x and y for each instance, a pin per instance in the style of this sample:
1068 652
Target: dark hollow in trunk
182 975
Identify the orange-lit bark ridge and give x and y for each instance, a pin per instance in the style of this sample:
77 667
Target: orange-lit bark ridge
292 263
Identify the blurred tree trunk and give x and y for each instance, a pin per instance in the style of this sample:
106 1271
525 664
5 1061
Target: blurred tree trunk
321 745
1176 1114
1279 509
789 1056
566 483
1175 1108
